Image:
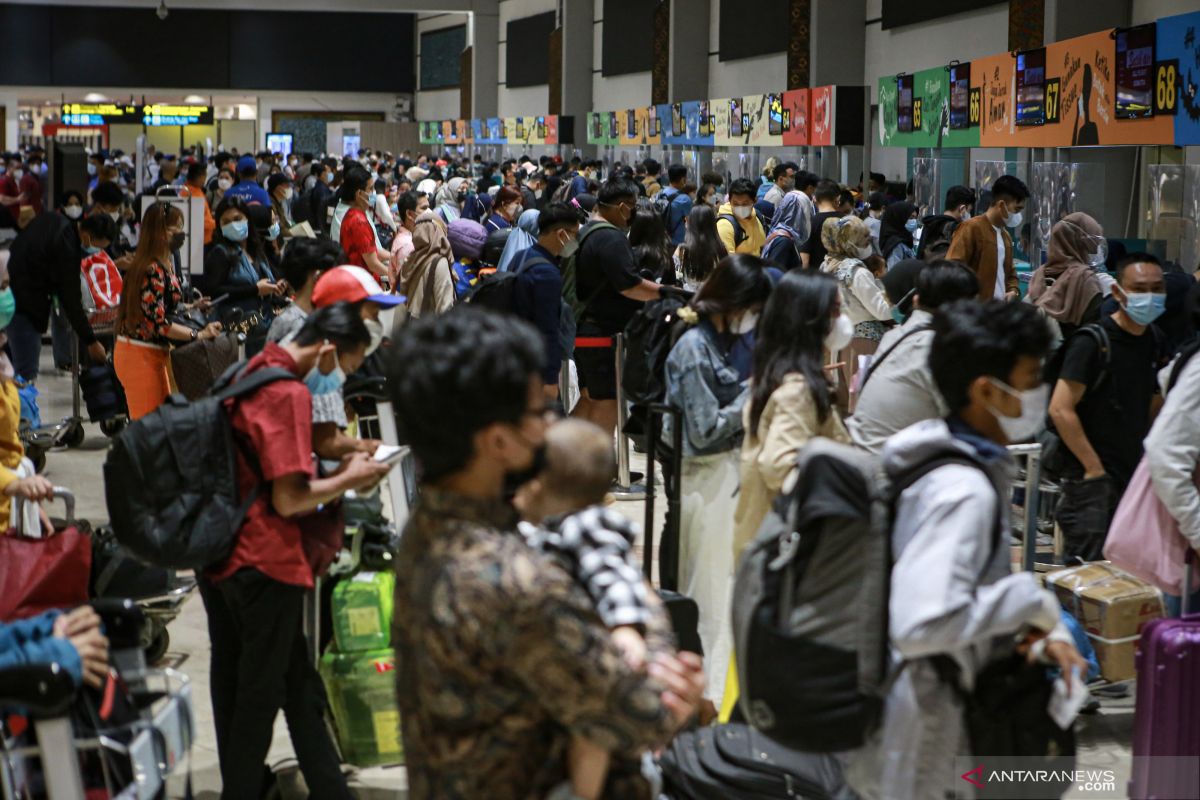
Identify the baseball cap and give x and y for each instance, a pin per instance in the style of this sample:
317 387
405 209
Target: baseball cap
351 285
247 163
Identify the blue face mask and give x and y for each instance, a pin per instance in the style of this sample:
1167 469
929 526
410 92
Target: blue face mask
8 307
90 250
236 231
912 225
273 232
319 383
1145 307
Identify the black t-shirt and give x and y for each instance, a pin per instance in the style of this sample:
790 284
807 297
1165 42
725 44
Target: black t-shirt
604 268
1116 415
814 247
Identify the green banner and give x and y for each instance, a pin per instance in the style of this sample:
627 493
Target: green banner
930 113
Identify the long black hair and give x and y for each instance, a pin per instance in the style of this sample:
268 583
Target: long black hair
739 281
702 248
254 239
650 243
790 338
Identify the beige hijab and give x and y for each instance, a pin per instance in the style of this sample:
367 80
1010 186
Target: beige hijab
1073 282
430 247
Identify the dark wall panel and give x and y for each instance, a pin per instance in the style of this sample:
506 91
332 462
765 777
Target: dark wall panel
906 12
133 47
627 38
753 29
527 50
25 45
441 57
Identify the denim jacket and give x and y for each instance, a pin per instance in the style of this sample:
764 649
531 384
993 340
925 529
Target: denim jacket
704 384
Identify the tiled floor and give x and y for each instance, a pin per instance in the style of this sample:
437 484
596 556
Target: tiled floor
1103 738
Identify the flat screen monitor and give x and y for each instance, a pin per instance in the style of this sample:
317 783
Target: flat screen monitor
1135 72
735 117
904 103
960 96
1031 87
775 115
705 119
351 142
280 143
612 125
678 120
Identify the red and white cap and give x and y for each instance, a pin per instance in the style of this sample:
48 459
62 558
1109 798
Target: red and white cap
351 284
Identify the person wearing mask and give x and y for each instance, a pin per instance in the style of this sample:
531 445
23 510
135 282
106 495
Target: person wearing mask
218 186
529 641
466 243
708 195
255 598
896 228
303 262
701 250
898 389
104 280
44 264
783 178
425 278
72 205
1067 288
533 193
507 206
737 224
984 244
960 201
281 189
236 265
703 383
194 187
678 203
95 162
264 221
789 231
448 202
409 206
520 239
875 205
537 298
864 301
382 211
825 195
1173 453
144 330
1102 411
651 247
611 290
357 234
167 173
953 591
248 188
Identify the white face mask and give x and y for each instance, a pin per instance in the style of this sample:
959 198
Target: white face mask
224 183
865 252
1033 411
1014 220
116 216
375 329
746 323
73 212
743 212
840 334
965 215
17 174
287 193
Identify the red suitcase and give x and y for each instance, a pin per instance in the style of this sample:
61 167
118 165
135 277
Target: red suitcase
1166 723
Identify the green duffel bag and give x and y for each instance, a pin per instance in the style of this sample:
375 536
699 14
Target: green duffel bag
362 696
362 612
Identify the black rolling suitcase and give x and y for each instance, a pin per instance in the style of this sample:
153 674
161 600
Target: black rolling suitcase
685 614
102 393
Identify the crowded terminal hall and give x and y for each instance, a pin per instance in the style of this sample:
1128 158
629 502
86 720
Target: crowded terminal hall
599 399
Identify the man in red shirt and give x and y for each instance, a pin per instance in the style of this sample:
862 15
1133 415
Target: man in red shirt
255 598
18 189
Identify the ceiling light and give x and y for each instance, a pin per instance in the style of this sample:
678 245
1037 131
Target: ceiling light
162 11
95 97
195 99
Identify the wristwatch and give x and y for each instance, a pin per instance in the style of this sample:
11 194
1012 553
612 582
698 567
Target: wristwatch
195 334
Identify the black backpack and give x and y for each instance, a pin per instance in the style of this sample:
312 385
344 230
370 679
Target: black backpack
739 234
170 478
579 305
649 337
662 206
497 291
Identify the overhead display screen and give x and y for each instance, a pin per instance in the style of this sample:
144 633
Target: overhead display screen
904 104
162 114
960 96
1135 72
527 50
1031 87
753 29
99 113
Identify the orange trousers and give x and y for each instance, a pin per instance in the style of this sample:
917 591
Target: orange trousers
144 371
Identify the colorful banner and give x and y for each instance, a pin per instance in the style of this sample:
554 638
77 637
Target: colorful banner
450 132
821 125
640 126
598 128
719 118
930 113
1177 75
759 127
795 117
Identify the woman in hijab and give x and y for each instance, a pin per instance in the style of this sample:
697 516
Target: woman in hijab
447 205
848 243
789 231
1067 288
896 228
425 277
522 237
429 188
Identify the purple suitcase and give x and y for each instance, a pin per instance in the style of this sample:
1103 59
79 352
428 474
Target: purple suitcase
1166 722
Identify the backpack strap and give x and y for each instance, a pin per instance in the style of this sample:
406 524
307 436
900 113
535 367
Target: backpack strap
1100 336
231 385
884 356
583 234
739 234
1185 355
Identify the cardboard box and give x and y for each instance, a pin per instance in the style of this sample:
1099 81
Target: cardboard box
1112 606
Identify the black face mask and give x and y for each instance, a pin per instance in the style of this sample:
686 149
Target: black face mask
177 240
514 480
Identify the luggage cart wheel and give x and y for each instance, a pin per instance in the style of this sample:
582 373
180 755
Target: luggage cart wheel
37 455
158 647
112 426
73 435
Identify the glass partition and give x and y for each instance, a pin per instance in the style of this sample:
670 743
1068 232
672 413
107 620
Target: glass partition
1059 189
1173 208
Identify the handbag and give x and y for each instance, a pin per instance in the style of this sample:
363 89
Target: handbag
198 364
1144 538
39 574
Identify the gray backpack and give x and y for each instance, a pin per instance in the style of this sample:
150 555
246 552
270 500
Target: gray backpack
810 620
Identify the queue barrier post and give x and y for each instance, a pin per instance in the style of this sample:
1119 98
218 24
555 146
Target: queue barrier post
625 488
1032 453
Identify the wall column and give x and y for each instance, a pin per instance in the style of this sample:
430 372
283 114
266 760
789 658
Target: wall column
837 29
575 20
688 67
483 37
